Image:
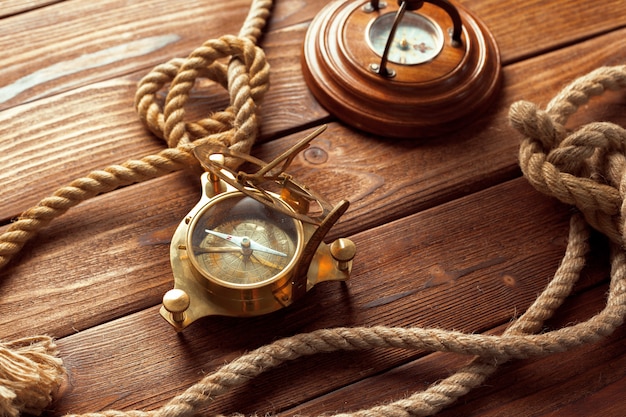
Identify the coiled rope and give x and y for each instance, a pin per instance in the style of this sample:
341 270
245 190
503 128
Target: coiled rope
585 168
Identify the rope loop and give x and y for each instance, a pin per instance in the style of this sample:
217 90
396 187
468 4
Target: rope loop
584 167
246 77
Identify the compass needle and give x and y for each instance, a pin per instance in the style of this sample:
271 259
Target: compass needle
245 242
260 248
230 238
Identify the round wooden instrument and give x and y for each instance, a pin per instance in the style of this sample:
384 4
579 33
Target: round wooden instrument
409 69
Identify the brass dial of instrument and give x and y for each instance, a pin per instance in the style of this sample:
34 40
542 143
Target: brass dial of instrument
406 68
237 242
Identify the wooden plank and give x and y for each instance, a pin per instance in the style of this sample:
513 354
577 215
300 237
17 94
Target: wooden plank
38 138
47 144
600 402
529 28
96 41
574 383
107 258
12 7
436 273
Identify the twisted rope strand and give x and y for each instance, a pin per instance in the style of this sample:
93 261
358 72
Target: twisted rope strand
259 12
581 90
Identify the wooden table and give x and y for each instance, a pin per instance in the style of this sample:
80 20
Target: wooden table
449 233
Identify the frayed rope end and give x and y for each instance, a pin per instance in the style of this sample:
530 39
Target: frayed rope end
30 373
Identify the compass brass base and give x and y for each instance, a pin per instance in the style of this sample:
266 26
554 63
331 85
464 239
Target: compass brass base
194 296
244 250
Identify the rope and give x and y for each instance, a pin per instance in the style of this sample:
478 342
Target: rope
585 168
246 77
29 369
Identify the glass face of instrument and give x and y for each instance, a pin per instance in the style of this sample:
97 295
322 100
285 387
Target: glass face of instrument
417 39
238 242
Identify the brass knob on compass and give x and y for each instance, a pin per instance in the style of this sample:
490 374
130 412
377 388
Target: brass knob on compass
343 251
176 302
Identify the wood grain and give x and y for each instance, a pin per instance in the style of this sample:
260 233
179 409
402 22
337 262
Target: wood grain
12 7
95 41
40 137
448 233
525 29
433 273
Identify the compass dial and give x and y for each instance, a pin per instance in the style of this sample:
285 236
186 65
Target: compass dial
417 38
240 243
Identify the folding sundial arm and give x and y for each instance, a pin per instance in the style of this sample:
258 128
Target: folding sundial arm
251 184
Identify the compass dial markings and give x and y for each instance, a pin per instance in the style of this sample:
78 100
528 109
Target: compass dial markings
242 243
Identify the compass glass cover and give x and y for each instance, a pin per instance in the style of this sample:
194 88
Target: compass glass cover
417 39
239 242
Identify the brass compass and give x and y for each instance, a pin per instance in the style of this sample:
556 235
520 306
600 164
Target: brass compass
406 68
253 244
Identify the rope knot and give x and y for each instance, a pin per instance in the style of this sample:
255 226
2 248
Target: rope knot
535 123
245 77
586 167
